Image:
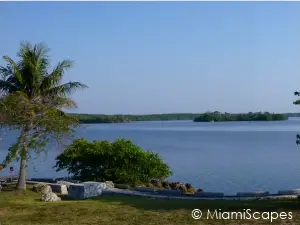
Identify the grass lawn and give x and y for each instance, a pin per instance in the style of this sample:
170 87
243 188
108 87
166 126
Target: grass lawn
27 209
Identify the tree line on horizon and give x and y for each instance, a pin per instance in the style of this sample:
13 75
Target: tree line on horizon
197 117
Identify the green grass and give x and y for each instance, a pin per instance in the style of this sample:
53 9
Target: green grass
27 209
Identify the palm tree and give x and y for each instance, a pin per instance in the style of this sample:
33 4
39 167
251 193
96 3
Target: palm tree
30 76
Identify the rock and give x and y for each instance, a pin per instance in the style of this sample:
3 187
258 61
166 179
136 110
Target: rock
180 186
200 190
173 185
63 189
76 191
187 185
156 183
42 188
59 188
86 190
67 183
189 189
166 185
50 197
92 189
109 184
93 183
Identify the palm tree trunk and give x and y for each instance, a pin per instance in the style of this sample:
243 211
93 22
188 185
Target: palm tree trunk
21 185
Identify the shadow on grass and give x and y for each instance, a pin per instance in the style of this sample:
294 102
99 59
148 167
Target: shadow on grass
174 204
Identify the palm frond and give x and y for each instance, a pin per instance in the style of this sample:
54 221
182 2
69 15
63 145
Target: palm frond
54 101
66 103
34 62
14 68
66 89
55 77
5 72
42 60
6 87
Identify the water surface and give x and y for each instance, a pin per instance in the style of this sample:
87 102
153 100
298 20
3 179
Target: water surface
223 156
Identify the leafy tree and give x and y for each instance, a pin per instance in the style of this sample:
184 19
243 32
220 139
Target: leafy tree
38 97
120 161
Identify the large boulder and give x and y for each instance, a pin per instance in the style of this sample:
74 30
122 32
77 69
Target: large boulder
50 197
64 189
42 188
166 185
178 186
76 191
59 188
86 190
109 184
189 189
156 183
63 182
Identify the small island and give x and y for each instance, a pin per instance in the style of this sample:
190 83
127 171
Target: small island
224 117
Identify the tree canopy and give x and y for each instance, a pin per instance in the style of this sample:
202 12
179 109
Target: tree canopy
120 161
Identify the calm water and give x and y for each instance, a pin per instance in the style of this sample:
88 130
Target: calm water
228 157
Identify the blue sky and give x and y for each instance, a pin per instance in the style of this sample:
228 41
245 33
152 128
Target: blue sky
163 57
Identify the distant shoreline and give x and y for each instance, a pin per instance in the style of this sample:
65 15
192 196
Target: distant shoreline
196 117
226 117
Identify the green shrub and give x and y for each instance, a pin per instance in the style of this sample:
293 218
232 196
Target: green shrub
121 162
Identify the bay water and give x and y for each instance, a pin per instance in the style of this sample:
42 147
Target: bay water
228 157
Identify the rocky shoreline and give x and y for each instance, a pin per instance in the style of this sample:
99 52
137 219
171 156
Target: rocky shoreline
92 189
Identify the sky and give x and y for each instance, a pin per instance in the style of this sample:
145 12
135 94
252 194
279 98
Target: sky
167 57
